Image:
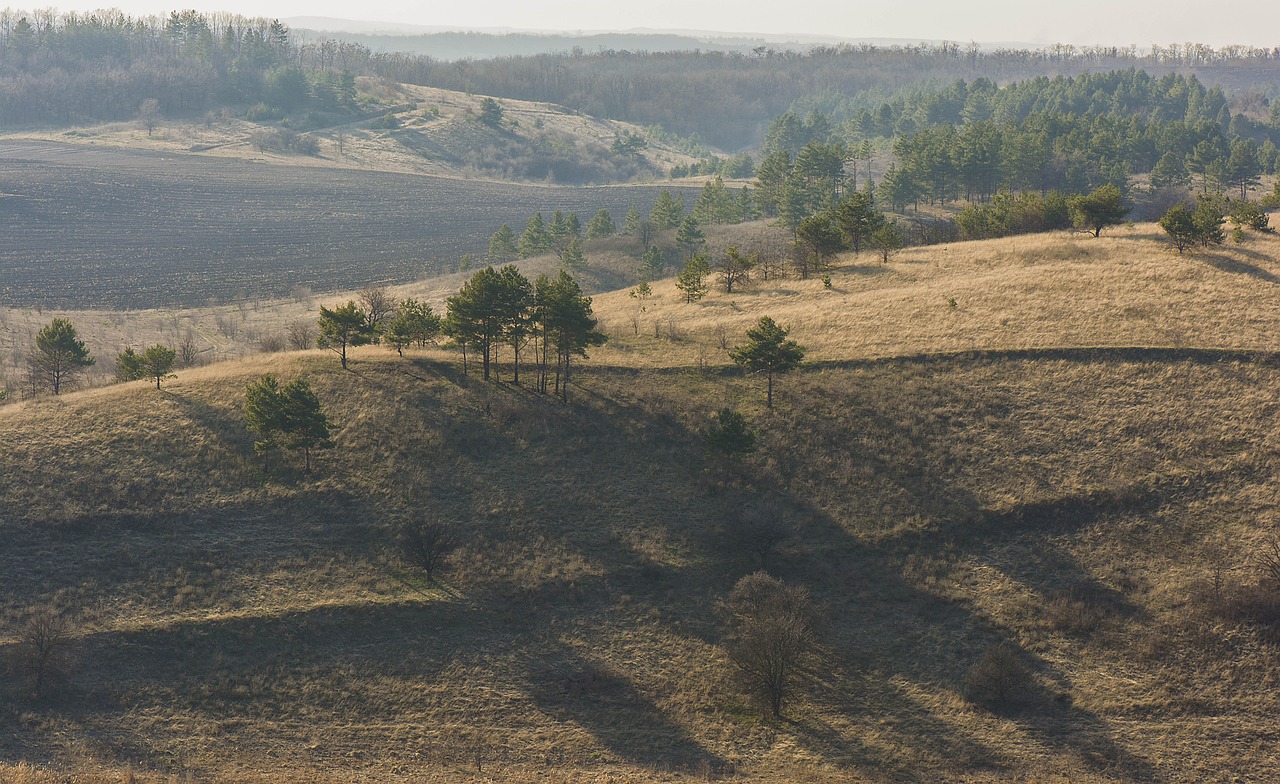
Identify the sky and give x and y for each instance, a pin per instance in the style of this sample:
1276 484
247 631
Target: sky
1082 22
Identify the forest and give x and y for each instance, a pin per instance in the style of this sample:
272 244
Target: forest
66 69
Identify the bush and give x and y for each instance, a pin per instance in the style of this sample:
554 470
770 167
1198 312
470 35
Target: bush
760 529
44 655
426 545
730 435
998 676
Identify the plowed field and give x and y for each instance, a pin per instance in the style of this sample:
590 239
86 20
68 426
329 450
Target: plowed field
86 227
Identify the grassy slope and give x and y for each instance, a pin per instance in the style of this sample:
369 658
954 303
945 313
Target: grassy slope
250 631
426 143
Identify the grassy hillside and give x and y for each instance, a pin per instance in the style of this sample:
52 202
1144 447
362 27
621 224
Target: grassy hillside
437 133
1009 470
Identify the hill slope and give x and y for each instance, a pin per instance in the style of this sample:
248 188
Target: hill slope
436 132
1075 505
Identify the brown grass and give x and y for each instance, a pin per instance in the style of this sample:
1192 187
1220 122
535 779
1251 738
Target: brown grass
426 142
242 630
1126 288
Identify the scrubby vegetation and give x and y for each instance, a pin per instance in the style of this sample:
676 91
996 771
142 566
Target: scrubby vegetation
1051 556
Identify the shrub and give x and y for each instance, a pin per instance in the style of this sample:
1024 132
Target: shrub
44 656
426 545
729 434
997 677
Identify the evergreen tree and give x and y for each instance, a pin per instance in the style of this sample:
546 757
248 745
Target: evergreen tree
572 256
502 245
768 351
692 278
1179 223
818 240
651 264
342 328
263 416
59 354
689 236
1103 207
631 223
747 210
667 211
305 425
415 323
1170 172
771 180
856 217
887 240
729 434
566 323
716 205
1243 170
289 417
601 225
157 363
536 239
481 313
1208 218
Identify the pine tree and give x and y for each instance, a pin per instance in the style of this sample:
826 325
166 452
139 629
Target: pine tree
601 225
502 245
631 223
1179 223
716 205
768 351
59 354
536 239
342 328
692 278
667 211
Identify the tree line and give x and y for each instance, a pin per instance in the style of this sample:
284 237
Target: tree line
73 67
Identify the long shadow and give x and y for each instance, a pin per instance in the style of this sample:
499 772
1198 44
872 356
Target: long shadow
575 689
885 626
1226 263
892 613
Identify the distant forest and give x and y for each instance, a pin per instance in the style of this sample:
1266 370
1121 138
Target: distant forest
66 69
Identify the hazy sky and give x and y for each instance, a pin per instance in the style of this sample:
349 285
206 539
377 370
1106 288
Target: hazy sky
1118 22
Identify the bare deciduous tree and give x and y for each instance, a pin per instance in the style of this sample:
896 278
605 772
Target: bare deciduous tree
44 655
760 529
377 304
301 335
775 635
426 544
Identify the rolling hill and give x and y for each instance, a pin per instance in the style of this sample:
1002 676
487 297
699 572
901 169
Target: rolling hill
1061 445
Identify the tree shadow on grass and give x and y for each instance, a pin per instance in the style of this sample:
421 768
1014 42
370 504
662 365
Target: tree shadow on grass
576 689
1225 263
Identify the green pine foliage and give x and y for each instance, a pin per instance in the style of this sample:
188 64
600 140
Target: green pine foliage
768 350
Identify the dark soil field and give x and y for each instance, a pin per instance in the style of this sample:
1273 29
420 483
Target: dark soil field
133 229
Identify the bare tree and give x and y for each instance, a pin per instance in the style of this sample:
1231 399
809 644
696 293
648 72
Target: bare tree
775 634
760 528
44 654
998 676
188 354
377 304
426 544
301 335
149 115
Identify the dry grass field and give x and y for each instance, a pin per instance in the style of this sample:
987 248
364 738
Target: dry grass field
436 135
1078 460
